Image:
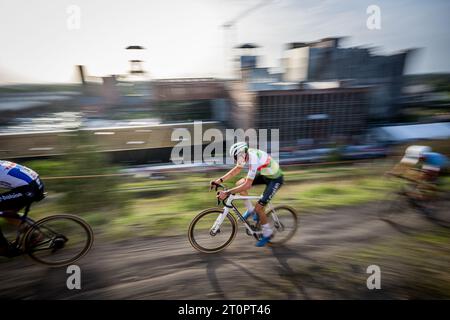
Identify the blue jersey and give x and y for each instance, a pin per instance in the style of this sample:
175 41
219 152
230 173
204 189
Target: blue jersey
435 161
13 175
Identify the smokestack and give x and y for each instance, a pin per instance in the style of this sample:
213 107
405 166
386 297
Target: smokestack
82 74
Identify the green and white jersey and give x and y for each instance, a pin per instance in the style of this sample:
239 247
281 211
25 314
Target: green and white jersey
259 162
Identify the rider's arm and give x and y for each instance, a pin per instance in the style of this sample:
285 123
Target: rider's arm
243 187
230 174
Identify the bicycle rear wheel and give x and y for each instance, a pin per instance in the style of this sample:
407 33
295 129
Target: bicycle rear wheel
284 223
201 237
58 240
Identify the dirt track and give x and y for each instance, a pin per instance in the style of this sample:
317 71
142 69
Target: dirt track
169 268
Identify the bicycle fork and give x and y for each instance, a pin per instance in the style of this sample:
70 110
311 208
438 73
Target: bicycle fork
216 226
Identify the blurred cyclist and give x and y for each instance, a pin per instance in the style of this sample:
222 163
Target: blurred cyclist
422 165
262 169
24 187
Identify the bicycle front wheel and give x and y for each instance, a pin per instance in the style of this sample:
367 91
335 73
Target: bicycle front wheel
201 237
284 223
392 204
436 209
58 240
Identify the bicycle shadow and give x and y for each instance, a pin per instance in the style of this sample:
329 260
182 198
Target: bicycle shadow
400 227
213 262
52 284
410 223
283 254
319 277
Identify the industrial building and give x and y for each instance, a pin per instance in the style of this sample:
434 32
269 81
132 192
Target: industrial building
326 60
326 95
304 117
187 99
308 114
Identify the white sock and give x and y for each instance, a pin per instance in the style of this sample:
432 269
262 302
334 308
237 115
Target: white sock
267 230
248 205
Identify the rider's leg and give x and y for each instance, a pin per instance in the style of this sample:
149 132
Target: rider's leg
267 231
259 208
4 244
247 202
9 200
13 201
3 241
5 249
12 217
272 187
270 190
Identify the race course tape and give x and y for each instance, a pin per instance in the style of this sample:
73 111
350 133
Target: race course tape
178 170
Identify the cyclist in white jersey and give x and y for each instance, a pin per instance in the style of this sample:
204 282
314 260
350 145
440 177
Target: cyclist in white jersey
262 169
23 187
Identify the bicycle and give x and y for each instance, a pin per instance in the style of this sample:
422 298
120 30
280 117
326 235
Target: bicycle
214 229
51 240
433 204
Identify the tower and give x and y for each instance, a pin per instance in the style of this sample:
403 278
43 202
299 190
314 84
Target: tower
247 59
136 62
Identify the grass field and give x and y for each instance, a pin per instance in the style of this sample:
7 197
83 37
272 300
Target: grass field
165 206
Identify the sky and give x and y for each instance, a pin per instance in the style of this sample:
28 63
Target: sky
185 38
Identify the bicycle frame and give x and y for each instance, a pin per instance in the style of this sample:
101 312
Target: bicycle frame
230 205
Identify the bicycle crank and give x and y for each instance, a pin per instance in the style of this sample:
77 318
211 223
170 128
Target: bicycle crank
58 243
256 232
